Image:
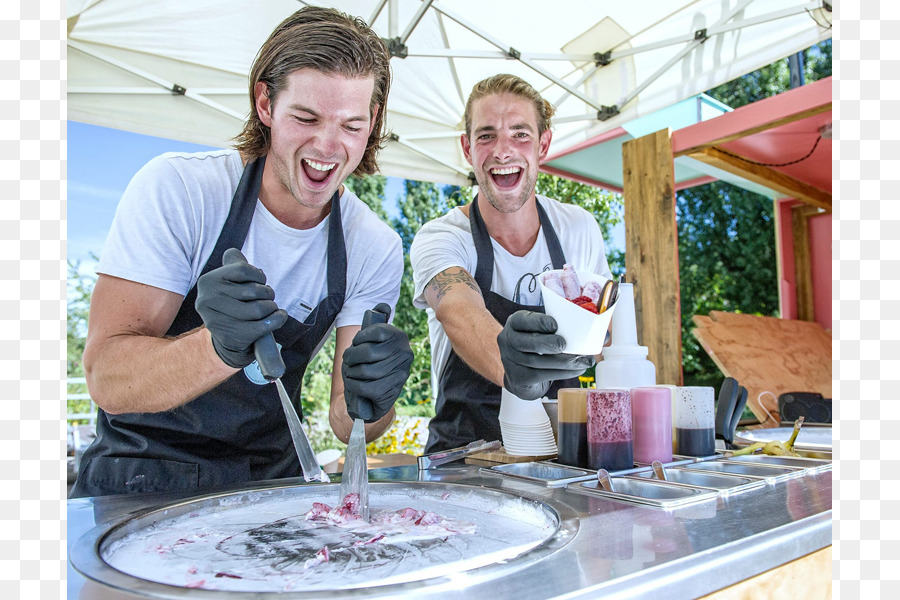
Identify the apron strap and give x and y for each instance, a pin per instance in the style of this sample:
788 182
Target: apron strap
233 234
484 271
243 205
557 257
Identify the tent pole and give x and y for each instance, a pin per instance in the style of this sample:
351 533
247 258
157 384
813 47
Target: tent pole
393 18
171 86
714 30
415 20
586 76
419 150
487 37
376 12
698 39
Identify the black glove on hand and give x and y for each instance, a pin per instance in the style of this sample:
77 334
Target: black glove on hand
532 356
375 369
237 307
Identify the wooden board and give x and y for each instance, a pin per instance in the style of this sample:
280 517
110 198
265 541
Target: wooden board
377 461
765 176
500 456
806 577
767 354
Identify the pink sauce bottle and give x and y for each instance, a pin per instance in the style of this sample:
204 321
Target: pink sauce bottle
651 410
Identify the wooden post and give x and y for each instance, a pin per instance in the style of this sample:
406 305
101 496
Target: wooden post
803 261
651 250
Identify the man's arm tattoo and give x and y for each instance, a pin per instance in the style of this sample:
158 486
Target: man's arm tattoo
444 280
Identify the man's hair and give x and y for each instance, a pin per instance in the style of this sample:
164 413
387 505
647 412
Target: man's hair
330 42
510 84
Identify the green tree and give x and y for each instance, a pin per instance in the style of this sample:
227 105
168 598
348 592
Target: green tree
726 235
423 202
79 288
371 191
606 207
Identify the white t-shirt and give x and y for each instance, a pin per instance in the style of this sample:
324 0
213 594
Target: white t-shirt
172 213
447 242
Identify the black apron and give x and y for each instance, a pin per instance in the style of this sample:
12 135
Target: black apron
468 405
237 431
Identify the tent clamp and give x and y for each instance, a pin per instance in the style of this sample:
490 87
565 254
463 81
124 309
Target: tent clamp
178 90
601 59
472 179
397 48
700 35
514 54
607 112
393 137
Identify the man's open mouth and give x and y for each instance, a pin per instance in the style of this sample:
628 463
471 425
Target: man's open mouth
506 177
317 172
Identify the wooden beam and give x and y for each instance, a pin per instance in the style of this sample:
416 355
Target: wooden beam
803 262
651 250
792 105
765 176
817 110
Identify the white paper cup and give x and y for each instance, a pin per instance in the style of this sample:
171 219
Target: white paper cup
516 411
584 332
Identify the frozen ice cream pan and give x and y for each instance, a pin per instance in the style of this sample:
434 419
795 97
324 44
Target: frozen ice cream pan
258 543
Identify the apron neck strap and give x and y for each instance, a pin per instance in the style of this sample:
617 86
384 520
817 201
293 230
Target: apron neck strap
337 250
484 272
243 205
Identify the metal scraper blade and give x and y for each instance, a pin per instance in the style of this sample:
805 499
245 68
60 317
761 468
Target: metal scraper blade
355 478
311 469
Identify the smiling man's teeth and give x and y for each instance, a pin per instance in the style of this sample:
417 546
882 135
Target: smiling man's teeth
506 170
319 166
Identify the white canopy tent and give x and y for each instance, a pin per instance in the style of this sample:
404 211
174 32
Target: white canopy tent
178 69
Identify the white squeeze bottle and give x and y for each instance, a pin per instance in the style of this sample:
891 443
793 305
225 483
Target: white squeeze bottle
625 363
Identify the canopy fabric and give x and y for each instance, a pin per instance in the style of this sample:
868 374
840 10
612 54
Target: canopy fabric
179 69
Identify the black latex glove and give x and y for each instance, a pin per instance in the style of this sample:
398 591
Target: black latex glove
532 355
237 307
375 369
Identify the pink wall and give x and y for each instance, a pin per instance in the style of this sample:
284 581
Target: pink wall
820 247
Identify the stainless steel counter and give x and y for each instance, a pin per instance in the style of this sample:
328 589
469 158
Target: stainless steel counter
617 549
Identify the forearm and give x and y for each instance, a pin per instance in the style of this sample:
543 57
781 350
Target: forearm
473 332
341 423
459 306
141 373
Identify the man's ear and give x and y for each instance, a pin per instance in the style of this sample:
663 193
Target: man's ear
263 103
466 147
545 143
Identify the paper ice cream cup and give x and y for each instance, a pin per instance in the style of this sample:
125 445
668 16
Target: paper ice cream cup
584 332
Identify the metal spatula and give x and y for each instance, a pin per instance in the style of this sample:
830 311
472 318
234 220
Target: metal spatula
355 478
